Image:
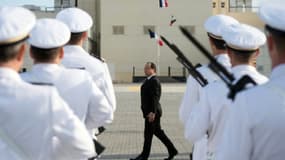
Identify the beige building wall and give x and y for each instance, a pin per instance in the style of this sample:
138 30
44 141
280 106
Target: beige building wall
134 48
90 7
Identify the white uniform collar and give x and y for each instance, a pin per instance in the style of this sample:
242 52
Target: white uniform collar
278 71
45 66
68 49
9 73
222 55
224 59
149 77
243 69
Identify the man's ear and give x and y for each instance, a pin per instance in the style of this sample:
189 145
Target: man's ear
21 54
257 53
85 35
61 53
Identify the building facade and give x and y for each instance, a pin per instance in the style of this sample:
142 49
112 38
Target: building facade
125 42
120 31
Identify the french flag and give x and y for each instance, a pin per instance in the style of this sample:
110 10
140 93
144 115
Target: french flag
172 21
163 3
156 37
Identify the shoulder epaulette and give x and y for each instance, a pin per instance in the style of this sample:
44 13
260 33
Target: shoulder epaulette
99 58
41 84
80 68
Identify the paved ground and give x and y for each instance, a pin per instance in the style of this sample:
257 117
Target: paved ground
124 138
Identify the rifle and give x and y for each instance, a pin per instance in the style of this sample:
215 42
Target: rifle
186 63
220 70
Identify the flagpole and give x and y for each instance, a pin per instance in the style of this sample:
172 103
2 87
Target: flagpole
158 54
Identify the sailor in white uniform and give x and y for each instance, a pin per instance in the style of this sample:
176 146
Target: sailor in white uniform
209 115
36 124
79 22
214 27
75 86
256 129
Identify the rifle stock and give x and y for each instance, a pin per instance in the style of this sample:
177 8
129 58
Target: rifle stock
220 70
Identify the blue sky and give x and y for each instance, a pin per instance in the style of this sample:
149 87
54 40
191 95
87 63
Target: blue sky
44 3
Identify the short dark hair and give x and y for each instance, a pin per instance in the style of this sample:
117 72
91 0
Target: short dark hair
9 52
75 38
44 55
152 65
242 56
278 37
219 43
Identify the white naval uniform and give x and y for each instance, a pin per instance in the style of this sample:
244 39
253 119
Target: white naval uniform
39 123
76 57
10 151
77 89
209 115
192 96
255 129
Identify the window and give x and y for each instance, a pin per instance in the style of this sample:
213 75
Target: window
223 4
244 5
41 5
146 28
118 30
190 29
214 4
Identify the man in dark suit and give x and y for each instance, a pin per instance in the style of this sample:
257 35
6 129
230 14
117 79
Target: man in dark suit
152 112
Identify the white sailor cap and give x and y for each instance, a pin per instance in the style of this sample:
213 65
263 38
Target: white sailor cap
76 19
49 33
15 24
214 25
243 37
273 13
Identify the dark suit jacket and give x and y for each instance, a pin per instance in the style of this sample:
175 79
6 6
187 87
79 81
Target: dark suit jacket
150 96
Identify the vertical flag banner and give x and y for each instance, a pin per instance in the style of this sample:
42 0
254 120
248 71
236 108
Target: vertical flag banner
163 3
156 37
172 21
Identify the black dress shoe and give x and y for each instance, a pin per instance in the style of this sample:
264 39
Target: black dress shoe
172 155
139 158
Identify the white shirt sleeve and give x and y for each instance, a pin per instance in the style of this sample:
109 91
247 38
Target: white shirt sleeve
199 120
99 113
71 139
236 143
101 82
190 98
110 88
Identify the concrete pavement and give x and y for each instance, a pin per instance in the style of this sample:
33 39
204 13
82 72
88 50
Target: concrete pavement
124 137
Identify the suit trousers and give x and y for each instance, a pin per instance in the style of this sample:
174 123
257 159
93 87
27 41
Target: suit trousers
154 128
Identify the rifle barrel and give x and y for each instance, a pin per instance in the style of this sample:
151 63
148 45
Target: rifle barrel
186 63
206 53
